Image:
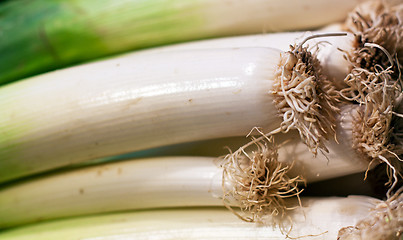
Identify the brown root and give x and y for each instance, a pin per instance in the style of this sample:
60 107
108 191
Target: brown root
375 83
378 23
378 29
385 222
373 128
257 183
376 134
305 98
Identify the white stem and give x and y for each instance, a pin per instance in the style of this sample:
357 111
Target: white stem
343 157
341 160
139 184
328 48
320 218
132 103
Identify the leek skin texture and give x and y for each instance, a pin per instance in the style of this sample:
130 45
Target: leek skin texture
139 184
143 184
132 103
41 35
328 49
322 217
341 160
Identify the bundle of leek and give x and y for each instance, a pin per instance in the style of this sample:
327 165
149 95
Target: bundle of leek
200 91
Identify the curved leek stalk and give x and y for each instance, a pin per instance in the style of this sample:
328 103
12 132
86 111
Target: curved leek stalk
341 160
132 103
146 184
142 101
332 60
40 35
320 218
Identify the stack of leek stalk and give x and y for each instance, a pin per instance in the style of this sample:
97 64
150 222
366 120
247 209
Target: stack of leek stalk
173 119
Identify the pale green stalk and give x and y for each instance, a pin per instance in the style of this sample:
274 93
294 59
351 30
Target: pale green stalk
319 218
147 183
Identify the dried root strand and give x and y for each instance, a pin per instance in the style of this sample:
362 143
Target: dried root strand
376 134
257 183
378 29
378 23
385 222
377 96
305 98
375 83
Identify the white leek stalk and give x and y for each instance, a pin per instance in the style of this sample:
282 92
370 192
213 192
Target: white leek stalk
141 101
320 218
341 160
150 183
63 33
327 49
133 103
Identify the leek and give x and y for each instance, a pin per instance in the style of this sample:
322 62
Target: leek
320 218
80 114
152 183
41 35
